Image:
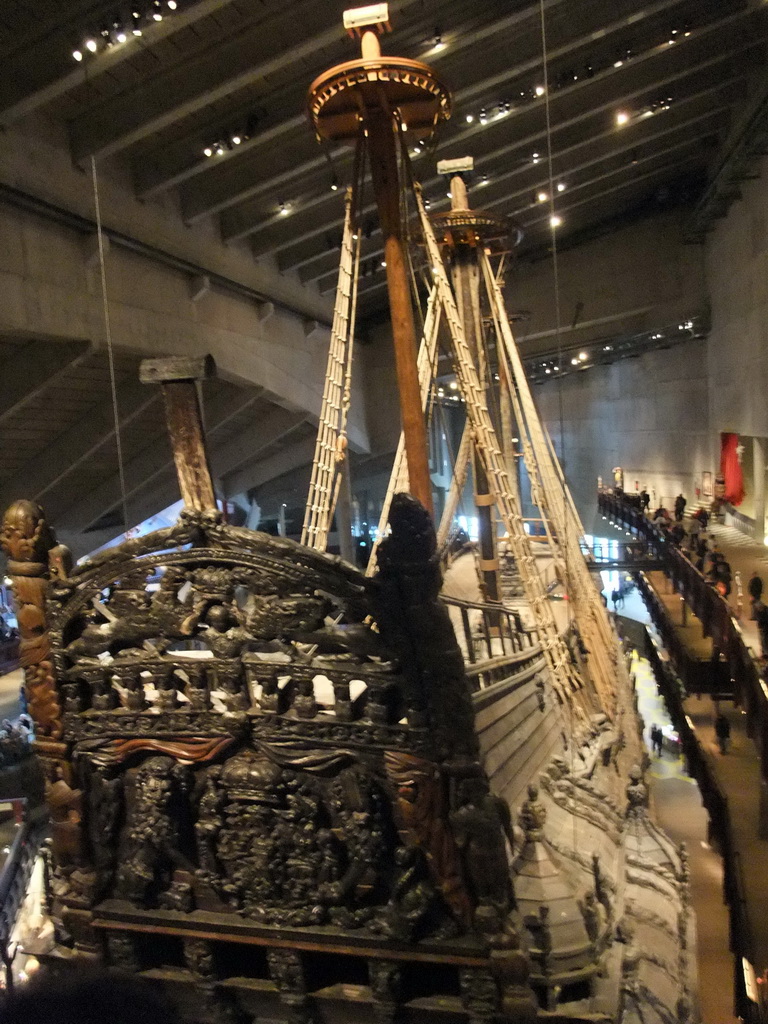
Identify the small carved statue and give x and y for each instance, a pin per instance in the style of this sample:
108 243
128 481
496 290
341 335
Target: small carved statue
533 816
637 793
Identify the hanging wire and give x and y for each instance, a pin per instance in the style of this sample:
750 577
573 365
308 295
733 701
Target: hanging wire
555 266
108 336
558 335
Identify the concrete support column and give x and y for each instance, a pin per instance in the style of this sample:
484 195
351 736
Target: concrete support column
758 471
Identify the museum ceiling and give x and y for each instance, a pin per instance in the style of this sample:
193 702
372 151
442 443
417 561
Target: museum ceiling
205 99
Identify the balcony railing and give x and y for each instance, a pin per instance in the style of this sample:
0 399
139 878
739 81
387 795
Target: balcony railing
749 687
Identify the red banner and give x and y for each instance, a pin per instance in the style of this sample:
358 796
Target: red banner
730 469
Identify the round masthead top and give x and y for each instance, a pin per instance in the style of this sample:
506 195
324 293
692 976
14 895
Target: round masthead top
339 98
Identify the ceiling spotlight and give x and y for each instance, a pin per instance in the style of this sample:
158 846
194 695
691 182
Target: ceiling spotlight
555 221
426 204
157 13
555 368
172 5
470 118
535 158
484 180
438 44
618 63
540 90
236 140
453 386
483 116
607 348
547 370
208 151
219 150
622 117
383 263
92 45
582 356
284 211
334 184
561 186
78 55
574 361
542 197
449 194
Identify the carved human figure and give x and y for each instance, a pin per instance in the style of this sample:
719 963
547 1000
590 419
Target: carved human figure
415 909
601 884
151 837
208 824
590 911
482 827
26 540
533 815
637 793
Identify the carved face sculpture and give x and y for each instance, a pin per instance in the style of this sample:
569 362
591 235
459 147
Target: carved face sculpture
23 524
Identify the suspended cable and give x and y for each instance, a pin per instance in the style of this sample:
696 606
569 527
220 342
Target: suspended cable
108 337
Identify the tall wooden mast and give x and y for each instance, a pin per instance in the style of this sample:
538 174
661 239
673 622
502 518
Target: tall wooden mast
381 97
461 230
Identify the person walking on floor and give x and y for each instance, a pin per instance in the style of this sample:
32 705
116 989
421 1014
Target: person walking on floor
680 504
761 618
657 740
755 588
722 731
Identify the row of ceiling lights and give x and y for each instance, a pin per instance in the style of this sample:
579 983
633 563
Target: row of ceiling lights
686 329
530 94
120 29
622 119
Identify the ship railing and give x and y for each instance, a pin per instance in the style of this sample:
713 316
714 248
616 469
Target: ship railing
492 638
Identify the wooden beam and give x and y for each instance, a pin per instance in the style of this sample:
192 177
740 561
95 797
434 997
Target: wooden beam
179 378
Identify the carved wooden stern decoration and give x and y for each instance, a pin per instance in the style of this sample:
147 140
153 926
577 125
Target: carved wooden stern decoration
250 741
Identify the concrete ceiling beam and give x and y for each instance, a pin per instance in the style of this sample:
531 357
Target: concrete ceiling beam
44 70
40 364
248 447
146 473
225 68
292 254
248 218
289 460
230 179
323 270
82 442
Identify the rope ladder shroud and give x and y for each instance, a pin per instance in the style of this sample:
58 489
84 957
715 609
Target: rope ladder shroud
564 678
550 493
331 444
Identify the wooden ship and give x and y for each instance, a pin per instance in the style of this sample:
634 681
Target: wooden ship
283 789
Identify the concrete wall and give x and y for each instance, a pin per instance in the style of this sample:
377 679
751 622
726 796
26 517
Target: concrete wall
49 282
737 279
630 280
648 415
